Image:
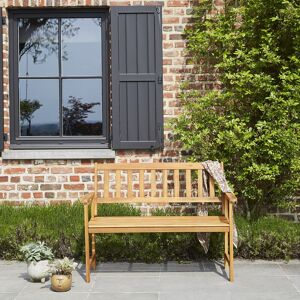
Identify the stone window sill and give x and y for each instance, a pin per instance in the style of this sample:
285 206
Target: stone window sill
59 154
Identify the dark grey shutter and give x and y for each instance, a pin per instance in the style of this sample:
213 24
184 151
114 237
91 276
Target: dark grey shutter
1 86
137 96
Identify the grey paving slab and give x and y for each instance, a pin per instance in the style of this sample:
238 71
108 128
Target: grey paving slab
123 283
123 296
258 280
265 284
7 296
265 296
8 285
195 295
53 296
291 268
178 284
250 269
295 281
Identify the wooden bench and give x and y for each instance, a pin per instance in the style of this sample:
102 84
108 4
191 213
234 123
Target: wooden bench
161 183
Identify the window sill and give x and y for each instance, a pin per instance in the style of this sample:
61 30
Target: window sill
60 154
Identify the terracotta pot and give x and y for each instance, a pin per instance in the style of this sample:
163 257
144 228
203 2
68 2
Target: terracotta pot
61 283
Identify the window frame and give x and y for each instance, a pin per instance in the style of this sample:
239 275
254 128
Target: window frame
53 142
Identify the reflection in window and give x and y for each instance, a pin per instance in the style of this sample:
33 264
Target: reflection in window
39 107
38 47
82 107
82 49
60 83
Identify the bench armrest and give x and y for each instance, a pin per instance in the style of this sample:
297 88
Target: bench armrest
230 197
87 199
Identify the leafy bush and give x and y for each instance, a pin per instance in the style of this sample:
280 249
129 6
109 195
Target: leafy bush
252 124
36 252
61 228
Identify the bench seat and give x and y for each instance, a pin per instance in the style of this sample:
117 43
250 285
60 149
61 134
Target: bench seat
159 224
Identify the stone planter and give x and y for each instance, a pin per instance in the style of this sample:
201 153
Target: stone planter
61 283
38 271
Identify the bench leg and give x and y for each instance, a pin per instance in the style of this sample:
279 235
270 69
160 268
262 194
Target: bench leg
87 246
94 251
226 253
231 270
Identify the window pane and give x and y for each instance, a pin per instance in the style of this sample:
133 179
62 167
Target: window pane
39 107
82 107
81 46
38 47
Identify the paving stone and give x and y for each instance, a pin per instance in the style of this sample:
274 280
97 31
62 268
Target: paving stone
7 296
265 296
9 285
123 283
262 284
204 284
258 270
291 269
192 295
123 296
296 281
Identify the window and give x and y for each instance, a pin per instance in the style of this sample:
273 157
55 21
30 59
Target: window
59 79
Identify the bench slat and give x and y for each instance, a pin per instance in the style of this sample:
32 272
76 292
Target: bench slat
176 183
159 224
150 166
160 200
165 183
129 183
142 192
153 183
106 183
200 183
188 183
118 183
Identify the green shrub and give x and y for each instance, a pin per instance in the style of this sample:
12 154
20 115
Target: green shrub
253 123
61 228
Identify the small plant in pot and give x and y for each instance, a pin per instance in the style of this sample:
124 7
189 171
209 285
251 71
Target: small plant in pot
61 270
37 256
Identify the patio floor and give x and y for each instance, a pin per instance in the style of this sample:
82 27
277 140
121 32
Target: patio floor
196 280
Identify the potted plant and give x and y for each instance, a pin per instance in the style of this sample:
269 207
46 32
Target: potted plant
37 256
61 270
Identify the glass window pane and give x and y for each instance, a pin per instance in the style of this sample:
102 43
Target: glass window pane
39 107
81 46
38 47
82 107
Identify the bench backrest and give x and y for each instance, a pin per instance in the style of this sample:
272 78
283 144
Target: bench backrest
153 183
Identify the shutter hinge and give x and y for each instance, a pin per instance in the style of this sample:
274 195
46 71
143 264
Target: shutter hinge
5 137
160 79
3 20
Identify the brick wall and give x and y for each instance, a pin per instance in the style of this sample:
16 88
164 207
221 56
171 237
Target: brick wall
48 181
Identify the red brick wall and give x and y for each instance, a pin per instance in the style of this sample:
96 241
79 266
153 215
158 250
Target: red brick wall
45 181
